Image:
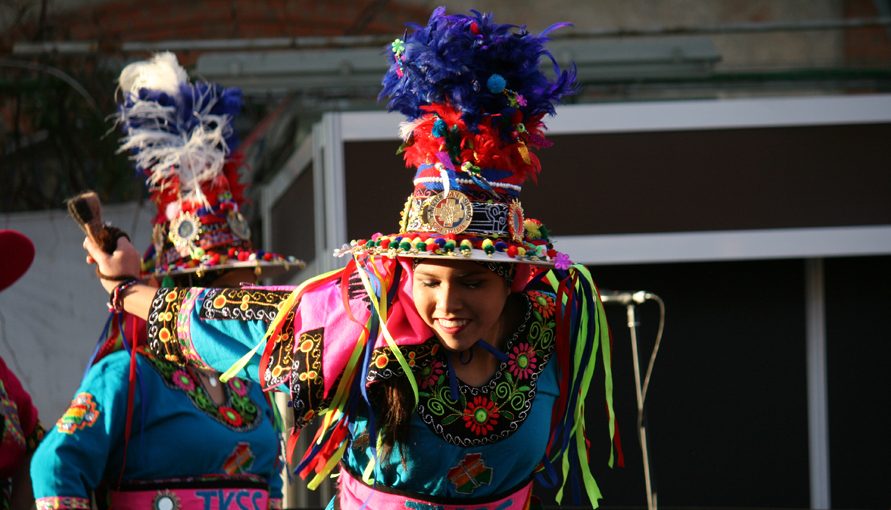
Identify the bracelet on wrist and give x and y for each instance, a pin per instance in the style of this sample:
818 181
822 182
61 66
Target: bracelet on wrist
116 297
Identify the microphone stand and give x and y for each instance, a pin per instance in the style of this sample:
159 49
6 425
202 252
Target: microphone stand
631 300
641 421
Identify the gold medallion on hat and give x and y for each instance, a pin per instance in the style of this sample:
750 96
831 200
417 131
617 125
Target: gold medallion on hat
184 229
448 213
239 225
515 221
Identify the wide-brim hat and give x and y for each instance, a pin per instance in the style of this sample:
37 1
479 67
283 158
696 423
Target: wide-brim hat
474 97
16 255
180 136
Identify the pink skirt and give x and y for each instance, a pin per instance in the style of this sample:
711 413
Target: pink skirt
353 494
191 499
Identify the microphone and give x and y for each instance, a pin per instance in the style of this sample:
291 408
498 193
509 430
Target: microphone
624 297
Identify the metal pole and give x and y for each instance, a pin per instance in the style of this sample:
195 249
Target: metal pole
641 426
817 408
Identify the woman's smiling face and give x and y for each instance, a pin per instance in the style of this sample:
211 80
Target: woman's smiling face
461 300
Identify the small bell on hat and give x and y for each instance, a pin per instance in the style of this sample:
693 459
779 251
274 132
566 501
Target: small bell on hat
474 97
179 135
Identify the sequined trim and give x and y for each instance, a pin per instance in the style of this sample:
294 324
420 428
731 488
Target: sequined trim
184 329
242 304
280 362
307 386
55 502
162 324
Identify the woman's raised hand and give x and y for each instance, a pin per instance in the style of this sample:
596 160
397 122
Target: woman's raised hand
111 268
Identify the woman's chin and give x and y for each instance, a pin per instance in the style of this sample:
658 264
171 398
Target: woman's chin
454 344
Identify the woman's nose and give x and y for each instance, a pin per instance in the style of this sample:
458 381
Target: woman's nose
449 299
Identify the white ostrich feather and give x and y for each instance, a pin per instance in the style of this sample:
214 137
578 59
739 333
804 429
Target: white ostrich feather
165 142
162 72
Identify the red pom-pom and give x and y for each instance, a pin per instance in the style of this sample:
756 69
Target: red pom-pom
243 256
432 247
512 251
267 256
385 244
474 28
231 252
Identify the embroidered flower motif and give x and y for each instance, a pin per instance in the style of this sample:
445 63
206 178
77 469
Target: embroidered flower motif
521 361
542 303
238 386
231 416
183 381
431 373
381 361
481 415
306 345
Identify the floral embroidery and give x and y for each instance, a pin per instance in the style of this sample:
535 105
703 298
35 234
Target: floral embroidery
238 386
522 360
231 416
543 303
431 373
82 413
238 412
55 502
183 380
481 416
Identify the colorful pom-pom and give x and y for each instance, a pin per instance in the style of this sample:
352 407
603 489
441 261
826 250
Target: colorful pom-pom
496 84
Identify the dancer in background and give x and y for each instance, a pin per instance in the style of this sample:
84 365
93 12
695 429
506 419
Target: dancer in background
449 362
143 432
20 430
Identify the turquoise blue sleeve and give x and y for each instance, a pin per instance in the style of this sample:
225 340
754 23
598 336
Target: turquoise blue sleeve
211 328
74 456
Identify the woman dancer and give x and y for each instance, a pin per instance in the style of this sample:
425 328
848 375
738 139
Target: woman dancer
143 432
449 362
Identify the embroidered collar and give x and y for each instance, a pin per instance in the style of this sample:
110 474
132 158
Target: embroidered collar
238 412
489 413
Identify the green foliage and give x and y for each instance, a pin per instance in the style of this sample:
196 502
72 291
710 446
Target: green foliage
57 135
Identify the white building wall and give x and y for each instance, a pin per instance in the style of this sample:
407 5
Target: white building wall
51 318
